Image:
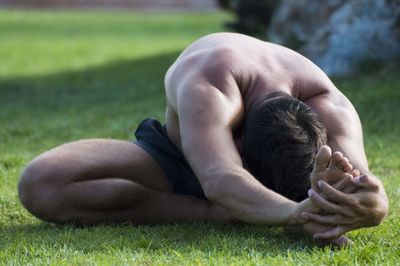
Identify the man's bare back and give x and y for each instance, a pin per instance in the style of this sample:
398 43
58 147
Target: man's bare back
210 89
264 68
245 69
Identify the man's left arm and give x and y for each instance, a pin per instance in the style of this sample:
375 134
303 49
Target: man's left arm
368 204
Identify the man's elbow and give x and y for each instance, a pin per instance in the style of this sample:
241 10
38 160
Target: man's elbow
215 188
221 185
212 191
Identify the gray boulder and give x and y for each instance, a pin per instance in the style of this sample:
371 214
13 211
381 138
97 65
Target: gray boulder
338 35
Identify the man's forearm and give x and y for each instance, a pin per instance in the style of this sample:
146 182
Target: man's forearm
248 200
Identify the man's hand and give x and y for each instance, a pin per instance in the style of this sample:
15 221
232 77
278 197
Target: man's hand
312 228
333 169
366 207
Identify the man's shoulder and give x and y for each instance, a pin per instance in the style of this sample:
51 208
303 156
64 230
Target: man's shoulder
212 68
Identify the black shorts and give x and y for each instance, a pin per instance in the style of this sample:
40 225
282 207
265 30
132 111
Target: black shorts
153 138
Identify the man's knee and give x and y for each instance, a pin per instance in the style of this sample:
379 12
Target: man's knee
39 192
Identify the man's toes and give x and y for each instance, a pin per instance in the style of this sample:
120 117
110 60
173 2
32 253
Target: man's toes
345 165
337 157
347 168
355 172
322 159
340 162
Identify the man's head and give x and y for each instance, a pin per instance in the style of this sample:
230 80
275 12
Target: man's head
281 138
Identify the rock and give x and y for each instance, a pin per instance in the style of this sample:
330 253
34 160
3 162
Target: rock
295 22
338 35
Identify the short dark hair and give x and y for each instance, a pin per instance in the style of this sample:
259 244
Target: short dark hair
281 138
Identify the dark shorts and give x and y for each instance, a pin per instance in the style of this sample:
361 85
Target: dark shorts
153 138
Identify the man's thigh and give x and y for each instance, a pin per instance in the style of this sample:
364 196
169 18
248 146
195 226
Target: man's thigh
96 159
107 181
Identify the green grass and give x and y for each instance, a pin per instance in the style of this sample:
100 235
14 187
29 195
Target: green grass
69 75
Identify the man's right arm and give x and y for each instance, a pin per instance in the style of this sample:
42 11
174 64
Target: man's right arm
366 204
206 117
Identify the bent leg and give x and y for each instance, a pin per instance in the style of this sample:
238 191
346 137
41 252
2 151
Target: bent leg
106 181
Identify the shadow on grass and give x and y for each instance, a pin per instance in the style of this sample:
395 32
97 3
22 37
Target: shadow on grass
39 112
120 82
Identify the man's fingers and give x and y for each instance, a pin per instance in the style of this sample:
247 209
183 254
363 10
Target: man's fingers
343 183
323 203
334 194
313 228
341 241
336 177
331 233
366 182
350 188
325 219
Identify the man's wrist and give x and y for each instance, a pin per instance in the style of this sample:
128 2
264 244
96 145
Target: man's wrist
298 208
295 209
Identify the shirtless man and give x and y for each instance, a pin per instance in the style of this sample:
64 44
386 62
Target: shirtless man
244 121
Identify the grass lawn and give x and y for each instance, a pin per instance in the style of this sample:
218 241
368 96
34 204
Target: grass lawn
70 75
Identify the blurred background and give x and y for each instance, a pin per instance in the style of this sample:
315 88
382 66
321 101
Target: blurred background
188 5
338 35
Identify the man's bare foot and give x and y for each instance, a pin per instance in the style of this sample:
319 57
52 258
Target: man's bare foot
336 170
330 167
